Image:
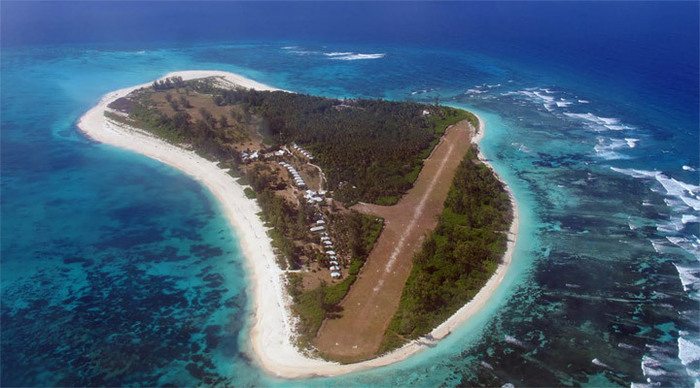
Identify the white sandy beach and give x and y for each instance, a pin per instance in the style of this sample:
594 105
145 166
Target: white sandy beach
272 329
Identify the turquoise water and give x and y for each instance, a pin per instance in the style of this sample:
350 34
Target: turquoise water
117 270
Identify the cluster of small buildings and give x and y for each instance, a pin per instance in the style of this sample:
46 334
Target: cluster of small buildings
302 151
295 174
313 197
250 156
327 244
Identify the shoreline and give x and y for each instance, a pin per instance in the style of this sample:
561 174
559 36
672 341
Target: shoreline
479 301
272 329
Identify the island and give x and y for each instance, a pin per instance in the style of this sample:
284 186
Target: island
370 228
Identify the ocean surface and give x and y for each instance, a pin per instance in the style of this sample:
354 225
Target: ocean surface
118 270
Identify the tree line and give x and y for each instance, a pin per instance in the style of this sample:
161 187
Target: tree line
168 83
369 149
458 258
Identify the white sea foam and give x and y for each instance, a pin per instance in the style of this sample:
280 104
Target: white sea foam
597 362
599 123
607 148
541 96
688 350
658 245
583 101
486 365
350 56
548 101
688 168
521 147
514 341
686 218
682 194
562 103
689 276
691 245
673 225
651 367
661 350
299 51
338 54
631 142
689 355
686 192
634 173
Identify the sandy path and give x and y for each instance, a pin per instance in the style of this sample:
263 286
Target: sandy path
374 298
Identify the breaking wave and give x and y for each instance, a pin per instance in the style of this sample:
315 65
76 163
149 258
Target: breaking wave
336 55
542 96
679 194
350 56
599 123
607 148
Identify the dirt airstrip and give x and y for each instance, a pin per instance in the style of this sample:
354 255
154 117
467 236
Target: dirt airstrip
373 299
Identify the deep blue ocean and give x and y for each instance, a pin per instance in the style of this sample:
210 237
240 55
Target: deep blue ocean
118 270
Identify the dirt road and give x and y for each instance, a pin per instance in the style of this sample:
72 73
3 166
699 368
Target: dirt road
374 298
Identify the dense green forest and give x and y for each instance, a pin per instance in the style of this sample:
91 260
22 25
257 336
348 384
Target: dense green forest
370 150
460 255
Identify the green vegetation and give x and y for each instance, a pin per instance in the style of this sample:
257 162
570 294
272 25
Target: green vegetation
356 233
387 200
168 83
451 116
370 149
458 258
288 223
249 193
